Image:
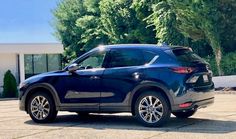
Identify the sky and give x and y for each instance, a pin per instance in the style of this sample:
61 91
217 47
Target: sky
27 21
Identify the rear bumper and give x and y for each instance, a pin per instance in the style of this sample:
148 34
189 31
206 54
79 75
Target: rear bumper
199 99
195 105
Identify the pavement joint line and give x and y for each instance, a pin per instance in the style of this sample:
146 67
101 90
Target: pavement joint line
9 120
20 129
11 116
37 133
230 115
45 131
72 125
175 128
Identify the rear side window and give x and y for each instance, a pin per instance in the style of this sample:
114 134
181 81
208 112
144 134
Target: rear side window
149 57
186 56
125 57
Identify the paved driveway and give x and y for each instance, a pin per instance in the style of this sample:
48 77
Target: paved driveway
217 121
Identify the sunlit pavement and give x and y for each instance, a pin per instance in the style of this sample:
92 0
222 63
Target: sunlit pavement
217 121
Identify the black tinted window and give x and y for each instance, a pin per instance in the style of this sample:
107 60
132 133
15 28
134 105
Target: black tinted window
148 56
93 61
185 55
126 57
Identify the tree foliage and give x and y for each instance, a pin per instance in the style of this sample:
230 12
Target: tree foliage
121 25
205 25
197 19
82 25
162 17
77 24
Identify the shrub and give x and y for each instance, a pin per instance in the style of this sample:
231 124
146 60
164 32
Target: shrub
228 64
9 86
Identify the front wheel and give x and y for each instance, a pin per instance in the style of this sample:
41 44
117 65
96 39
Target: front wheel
184 114
41 108
152 109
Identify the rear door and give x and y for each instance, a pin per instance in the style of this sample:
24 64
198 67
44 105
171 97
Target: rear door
123 72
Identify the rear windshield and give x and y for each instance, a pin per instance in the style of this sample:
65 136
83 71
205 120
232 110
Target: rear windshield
186 56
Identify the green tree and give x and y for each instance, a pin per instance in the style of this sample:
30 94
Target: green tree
82 25
9 86
197 19
77 24
159 14
121 25
226 24
206 26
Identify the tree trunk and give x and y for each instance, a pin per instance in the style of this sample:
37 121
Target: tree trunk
218 56
215 44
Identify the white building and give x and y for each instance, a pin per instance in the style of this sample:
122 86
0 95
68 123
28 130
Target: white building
25 60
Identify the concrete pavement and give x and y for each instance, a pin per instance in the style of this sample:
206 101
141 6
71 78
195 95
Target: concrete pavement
217 121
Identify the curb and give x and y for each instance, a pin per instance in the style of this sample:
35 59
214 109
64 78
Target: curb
226 92
6 99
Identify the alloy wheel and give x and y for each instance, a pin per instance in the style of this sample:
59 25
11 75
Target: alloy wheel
40 107
150 109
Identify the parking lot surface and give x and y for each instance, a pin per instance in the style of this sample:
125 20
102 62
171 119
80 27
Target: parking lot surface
217 121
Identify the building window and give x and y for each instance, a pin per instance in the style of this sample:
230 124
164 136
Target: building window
54 62
39 63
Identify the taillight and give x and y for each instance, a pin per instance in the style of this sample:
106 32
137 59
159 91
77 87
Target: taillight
185 105
183 70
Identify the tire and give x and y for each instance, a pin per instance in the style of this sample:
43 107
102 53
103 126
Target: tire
183 115
43 112
152 114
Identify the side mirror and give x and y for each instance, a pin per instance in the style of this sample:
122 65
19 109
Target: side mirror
73 67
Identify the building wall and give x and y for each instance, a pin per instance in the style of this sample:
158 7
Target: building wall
8 61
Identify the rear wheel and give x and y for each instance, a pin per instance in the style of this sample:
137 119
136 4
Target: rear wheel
41 108
184 114
152 109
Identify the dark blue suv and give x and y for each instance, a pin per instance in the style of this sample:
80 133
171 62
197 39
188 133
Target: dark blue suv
149 81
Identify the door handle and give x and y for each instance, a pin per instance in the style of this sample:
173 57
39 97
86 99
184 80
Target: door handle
94 77
137 75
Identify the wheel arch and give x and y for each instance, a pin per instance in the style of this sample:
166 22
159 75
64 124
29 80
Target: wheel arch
150 86
43 87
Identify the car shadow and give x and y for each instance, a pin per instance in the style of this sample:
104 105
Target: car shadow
126 122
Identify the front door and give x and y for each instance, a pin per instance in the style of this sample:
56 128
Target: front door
83 87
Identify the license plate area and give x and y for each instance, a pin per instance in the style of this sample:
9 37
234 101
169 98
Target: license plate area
205 78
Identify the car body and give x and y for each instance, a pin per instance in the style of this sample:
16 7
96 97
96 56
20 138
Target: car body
111 78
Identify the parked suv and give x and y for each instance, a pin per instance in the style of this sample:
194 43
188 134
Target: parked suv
149 81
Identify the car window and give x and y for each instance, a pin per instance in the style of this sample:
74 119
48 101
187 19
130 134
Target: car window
93 61
149 57
125 57
187 56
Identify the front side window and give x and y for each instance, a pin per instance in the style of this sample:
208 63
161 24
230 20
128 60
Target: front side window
125 57
93 61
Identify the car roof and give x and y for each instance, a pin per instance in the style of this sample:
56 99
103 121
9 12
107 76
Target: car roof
137 46
140 46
